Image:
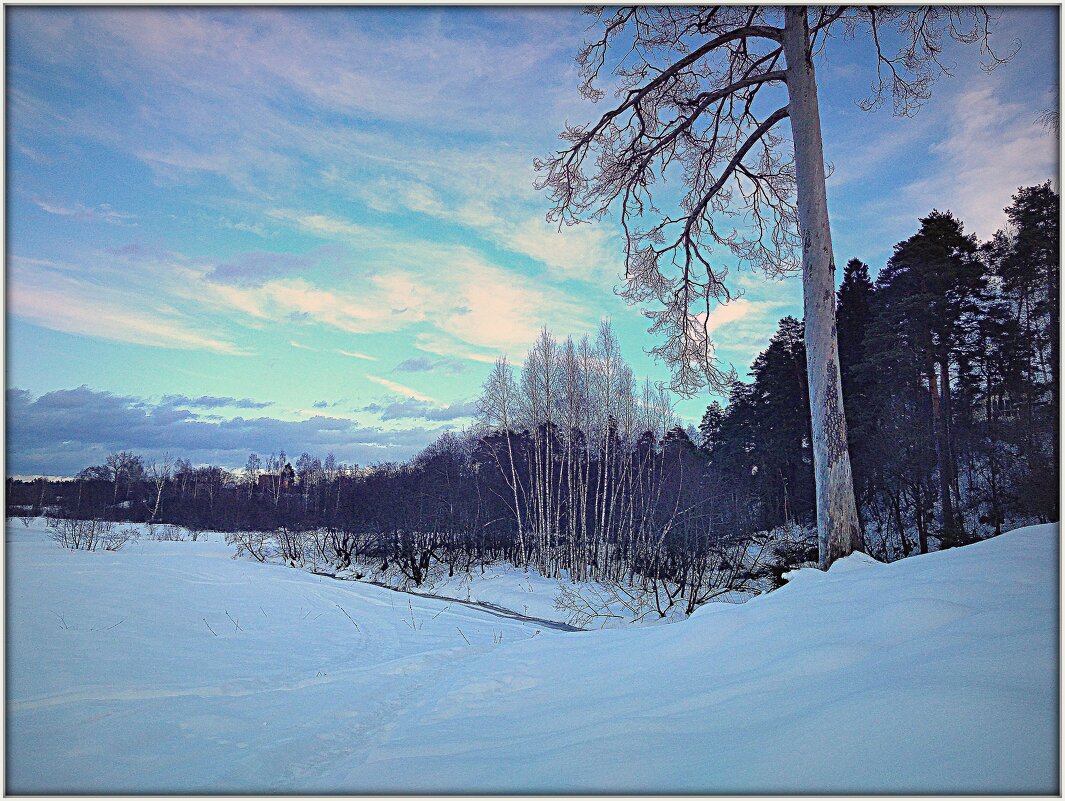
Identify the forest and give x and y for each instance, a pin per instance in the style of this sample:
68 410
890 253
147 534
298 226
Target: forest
949 365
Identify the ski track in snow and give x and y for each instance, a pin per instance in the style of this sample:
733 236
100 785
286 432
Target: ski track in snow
937 673
483 606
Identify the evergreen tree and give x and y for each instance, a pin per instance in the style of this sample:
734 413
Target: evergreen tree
1030 279
932 286
710 427
854 307
762 460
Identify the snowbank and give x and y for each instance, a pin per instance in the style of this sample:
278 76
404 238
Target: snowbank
169 666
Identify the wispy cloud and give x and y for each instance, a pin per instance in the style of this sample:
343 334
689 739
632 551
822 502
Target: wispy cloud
78 306
213 402
722 314
421 364
992 147
985 143
400 389
356 355
413 409
449 347
489 306
256 268
80 211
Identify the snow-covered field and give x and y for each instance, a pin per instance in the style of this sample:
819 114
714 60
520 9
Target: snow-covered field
937 673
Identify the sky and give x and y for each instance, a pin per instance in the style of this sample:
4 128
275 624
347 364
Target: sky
314 229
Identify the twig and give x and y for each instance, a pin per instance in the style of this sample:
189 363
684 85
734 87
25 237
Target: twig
119 623
235 623
263 611
438 614
349 617
413 622
463 635
215 633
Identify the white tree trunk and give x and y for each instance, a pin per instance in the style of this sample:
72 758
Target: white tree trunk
837 515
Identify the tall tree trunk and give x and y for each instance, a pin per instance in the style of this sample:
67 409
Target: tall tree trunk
837 515
951 512
948 527
1055 390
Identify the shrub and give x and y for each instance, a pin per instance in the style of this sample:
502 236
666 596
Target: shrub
252 542
88 535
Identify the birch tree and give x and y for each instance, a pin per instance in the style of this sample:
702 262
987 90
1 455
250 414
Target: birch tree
252 470
159 474
496 409
701 94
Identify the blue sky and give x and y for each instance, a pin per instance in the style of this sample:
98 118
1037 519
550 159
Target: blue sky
314 229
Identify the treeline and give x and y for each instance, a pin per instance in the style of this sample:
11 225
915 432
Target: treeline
572 469
950 383
949 363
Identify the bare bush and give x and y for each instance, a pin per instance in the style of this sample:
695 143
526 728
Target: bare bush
336 548
290 545
81 535
250 542
166 532
599 603
729 573
115 538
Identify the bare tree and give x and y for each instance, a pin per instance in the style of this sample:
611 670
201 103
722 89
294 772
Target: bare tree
700 94
275 470
252 469
159 474
124 466
497 409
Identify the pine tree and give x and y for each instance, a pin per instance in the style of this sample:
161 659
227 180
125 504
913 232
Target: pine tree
710 427
1032 275
1025 262
854 307
783 442
932 286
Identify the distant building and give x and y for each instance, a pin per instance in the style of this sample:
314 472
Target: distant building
266 482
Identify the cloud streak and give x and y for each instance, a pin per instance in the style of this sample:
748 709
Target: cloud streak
412 408
357 355
213 402
400 389
75 305
79 211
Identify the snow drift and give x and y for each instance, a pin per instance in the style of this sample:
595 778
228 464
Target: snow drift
170 667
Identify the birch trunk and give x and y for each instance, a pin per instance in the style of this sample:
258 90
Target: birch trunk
837 516
158 499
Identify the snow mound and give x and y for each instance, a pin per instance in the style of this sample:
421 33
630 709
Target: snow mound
934 674
855 562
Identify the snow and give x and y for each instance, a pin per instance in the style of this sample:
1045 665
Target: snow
528 593
525 592
937 673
